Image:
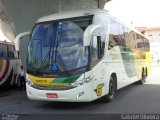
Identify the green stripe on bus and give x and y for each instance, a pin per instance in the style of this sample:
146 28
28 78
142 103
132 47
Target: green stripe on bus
66 79
129 61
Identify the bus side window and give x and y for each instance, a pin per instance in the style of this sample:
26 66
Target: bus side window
97 48
102 48
147 47
112 43
5 55
10 51
1 51
94 49
114 34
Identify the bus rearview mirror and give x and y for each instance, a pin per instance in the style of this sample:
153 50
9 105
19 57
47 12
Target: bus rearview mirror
89 33
18 38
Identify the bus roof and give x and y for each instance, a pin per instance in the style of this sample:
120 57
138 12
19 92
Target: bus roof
78 13
71 14
7 43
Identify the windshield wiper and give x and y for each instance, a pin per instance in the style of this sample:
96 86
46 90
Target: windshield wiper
49 55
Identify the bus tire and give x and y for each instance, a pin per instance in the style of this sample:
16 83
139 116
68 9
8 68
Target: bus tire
146 72
142 81
112 89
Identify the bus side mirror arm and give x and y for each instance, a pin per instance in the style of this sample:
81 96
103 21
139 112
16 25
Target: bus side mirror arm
88 34
18 38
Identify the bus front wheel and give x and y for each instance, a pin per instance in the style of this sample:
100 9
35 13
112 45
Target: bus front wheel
112 88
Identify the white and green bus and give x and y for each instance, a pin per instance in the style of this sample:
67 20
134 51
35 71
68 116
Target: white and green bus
80 56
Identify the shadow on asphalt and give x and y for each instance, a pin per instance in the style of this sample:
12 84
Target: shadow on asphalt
120 95
7 91
69 105
77 105
123 95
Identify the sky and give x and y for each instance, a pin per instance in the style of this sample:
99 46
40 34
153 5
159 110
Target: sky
141 13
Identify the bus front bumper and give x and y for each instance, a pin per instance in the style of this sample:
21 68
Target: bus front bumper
82 93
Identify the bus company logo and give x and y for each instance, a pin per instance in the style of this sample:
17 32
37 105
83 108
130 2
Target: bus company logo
113 56
98 90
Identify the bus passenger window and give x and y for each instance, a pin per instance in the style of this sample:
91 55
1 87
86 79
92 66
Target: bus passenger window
94 49
101 46
5 55
112 42
1 51
10 51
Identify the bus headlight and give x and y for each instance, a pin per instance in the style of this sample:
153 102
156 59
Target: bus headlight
82 82
28 81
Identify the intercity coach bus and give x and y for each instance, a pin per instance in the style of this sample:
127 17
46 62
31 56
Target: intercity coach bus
9 65
80 56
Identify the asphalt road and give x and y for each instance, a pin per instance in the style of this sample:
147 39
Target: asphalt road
131 99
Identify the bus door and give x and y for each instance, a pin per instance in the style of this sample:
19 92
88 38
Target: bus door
97 52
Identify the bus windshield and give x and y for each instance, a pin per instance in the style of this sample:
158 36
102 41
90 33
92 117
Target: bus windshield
56 48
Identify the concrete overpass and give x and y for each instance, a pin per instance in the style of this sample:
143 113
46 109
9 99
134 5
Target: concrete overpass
21 14
24 12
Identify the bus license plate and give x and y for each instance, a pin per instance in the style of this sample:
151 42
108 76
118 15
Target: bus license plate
51 95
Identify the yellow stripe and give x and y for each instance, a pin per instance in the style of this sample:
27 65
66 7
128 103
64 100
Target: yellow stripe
40 80
142 62
148 62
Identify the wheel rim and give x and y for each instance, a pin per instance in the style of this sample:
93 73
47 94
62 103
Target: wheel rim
111 89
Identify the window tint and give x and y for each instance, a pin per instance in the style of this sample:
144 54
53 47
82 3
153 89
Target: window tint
4 47
11 51
83 24
116 35
146 45
122 36
1 50
130 38
94 49
8 51
101 19
97 50
44 33
71 51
